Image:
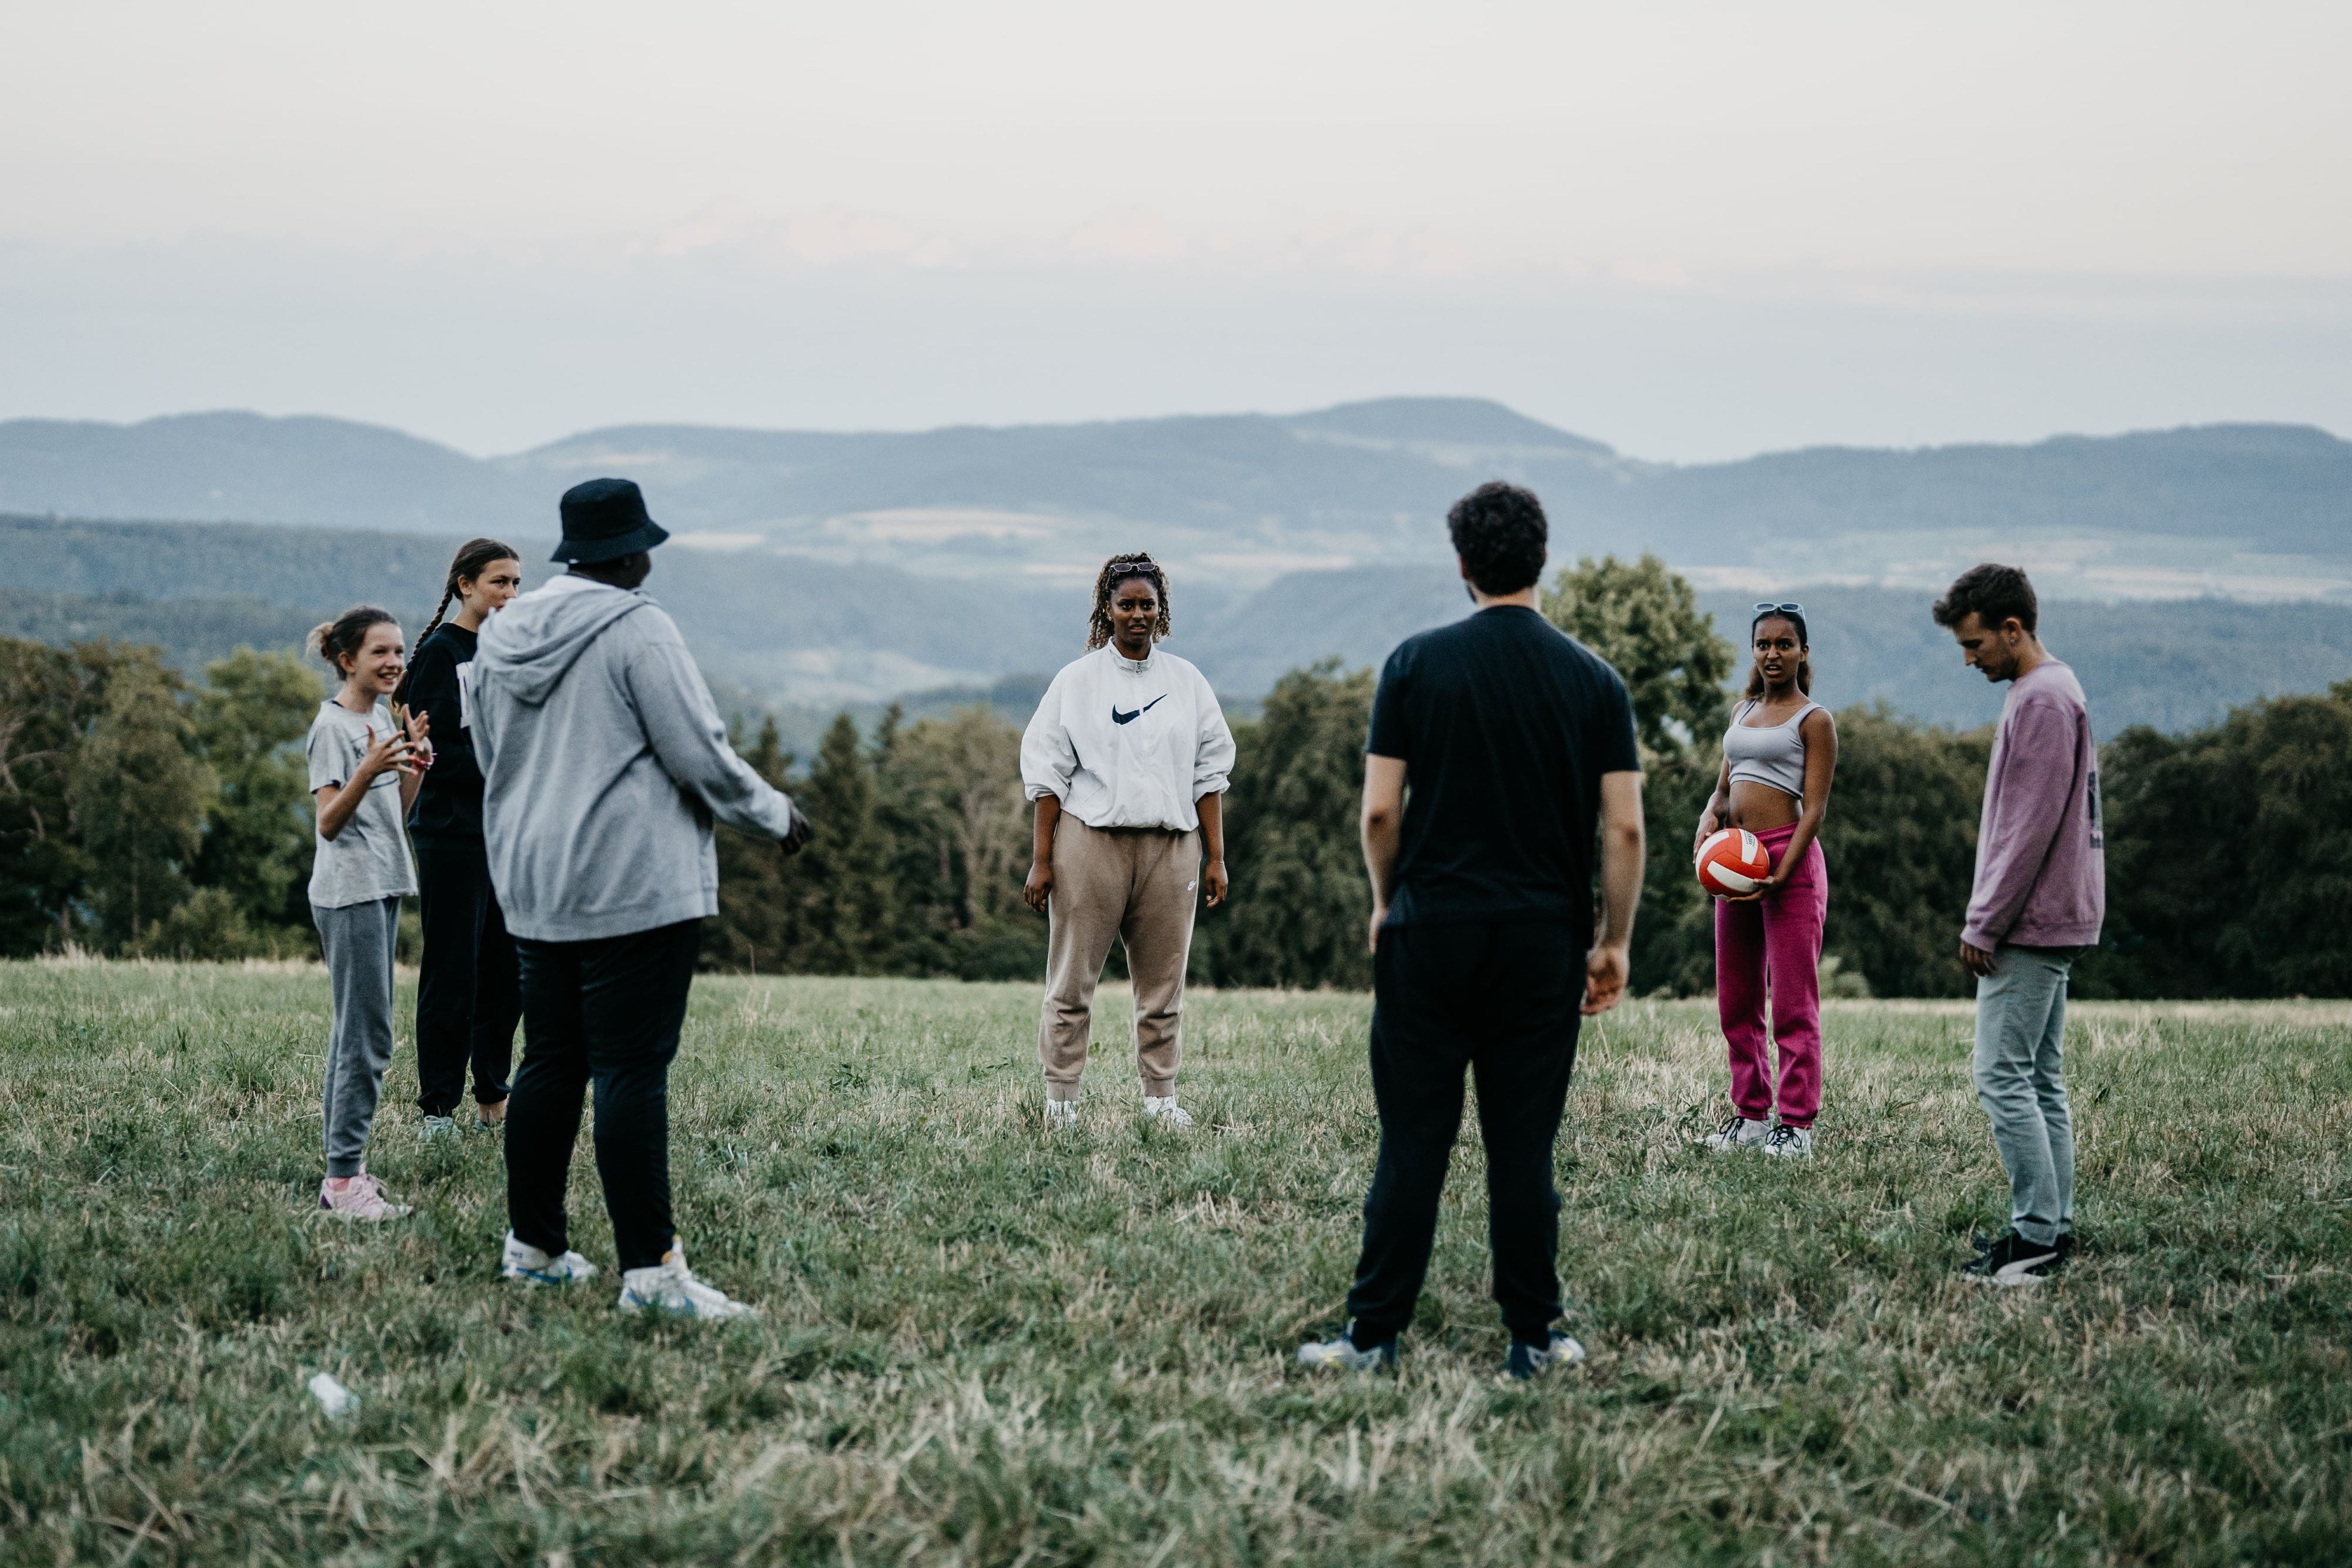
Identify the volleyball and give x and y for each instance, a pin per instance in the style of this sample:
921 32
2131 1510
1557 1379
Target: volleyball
1732 862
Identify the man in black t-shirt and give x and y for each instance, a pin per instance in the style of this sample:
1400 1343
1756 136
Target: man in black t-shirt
1519 744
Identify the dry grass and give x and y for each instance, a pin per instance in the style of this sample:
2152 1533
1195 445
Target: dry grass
985 1345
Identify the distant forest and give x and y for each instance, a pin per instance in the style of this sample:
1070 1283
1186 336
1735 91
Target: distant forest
198 591
145 812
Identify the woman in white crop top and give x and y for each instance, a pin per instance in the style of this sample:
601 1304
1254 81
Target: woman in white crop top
1779 756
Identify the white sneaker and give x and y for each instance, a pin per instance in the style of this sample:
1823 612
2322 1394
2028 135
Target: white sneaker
1061 1113
359 1197
1738 1133
523 1261
437 1128
1164 1107
1791 1143
671 1286
1527 1361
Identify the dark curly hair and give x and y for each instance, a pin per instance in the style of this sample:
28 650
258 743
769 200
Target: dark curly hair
1119 569
1993 593
1500 532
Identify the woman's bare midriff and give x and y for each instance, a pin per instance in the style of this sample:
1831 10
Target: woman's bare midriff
1759 808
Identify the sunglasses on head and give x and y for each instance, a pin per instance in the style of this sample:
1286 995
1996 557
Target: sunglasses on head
1780 610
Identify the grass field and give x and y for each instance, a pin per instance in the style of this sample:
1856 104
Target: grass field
984 1343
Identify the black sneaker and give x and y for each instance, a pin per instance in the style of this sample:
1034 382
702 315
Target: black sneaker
1526 1360
2010 1259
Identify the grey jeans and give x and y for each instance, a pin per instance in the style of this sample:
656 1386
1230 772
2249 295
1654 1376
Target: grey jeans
2020 1080
359 939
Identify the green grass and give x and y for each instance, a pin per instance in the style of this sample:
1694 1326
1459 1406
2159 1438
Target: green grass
986 1344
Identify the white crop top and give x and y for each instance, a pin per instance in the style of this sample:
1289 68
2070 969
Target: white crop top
1772 754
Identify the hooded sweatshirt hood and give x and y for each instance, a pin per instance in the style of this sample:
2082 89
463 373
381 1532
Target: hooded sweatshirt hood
604 764
531 644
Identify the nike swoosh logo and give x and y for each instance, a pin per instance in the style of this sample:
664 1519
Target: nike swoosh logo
1131 717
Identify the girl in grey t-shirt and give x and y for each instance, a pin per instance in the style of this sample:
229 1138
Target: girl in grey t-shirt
365 768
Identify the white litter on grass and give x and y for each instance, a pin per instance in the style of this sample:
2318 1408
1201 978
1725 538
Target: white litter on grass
332 1397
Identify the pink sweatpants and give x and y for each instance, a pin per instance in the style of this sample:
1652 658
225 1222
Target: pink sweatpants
1776 942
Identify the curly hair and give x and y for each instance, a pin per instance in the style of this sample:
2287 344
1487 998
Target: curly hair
1121 568
1993 593
1500 533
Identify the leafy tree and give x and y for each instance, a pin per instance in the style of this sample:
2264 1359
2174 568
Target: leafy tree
258 832
1901 847
2230 856
140 794
952 800
1299 900
46 699
836 894
751 931
1644 619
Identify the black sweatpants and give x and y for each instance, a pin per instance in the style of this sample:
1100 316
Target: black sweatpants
1501 1001
607 1012
468 992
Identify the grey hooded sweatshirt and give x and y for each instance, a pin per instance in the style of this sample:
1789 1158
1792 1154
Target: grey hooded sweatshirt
603 762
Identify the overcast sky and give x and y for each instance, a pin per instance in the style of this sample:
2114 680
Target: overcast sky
1693 231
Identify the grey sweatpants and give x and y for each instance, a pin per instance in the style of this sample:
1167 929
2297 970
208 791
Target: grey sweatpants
2020 1080
359 939
1138 885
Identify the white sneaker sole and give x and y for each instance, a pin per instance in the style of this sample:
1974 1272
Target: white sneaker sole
523 1276
2016 1274
634 1304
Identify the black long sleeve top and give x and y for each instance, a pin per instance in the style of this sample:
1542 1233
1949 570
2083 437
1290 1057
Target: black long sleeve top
450 805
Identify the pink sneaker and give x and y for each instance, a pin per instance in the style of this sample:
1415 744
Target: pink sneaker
358 1197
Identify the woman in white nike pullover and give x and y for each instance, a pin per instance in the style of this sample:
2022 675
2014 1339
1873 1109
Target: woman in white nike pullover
1126 759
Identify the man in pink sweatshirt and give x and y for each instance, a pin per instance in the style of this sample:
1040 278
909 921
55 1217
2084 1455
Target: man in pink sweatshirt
2039 900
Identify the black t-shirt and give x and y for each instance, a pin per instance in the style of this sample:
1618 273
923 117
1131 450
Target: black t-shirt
449 802
1504 726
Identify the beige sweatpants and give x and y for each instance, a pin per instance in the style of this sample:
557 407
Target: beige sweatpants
1139 886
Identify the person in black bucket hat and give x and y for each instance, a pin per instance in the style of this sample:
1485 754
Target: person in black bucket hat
604 520
604 765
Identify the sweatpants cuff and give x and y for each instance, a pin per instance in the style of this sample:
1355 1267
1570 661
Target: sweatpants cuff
1161 1090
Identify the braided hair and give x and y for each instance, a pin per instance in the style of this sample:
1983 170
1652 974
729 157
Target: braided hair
1119 568
473 559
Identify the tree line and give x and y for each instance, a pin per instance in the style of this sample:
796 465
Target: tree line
142 815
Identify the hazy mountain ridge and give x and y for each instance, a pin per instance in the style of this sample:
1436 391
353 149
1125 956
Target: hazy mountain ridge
2250 510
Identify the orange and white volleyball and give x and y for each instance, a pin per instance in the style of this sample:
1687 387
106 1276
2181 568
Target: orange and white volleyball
1733 862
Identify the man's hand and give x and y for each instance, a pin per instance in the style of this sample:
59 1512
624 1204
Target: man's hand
797 836
1976 961
1212 878
1039 887
1372 932
1605 971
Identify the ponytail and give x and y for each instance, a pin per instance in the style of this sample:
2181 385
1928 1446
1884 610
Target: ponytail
342 638
473 557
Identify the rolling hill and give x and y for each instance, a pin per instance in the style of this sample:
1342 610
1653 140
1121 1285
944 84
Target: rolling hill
1237 500
805 637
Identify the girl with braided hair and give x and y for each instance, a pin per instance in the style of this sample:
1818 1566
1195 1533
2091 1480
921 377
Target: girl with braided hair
1128 758
469 998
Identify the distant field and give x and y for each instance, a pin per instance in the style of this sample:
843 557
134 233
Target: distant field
986 1344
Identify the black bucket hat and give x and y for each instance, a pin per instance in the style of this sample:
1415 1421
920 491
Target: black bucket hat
604 519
